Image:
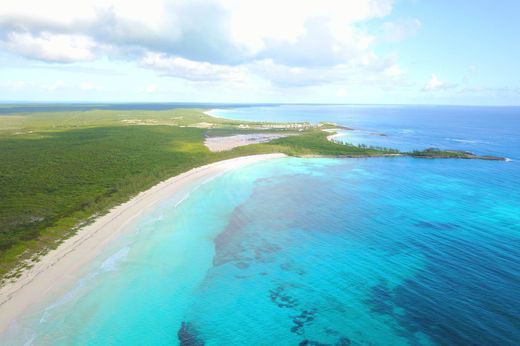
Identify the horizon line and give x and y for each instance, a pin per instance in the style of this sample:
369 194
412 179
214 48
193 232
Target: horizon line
56 102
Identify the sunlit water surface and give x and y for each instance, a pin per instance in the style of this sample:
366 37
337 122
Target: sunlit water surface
384 251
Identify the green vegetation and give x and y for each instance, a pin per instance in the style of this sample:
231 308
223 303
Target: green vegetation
58 170
314 142
437 153
434 153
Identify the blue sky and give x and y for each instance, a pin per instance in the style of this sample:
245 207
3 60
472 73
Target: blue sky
328 51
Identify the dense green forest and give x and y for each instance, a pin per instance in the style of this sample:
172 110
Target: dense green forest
59 169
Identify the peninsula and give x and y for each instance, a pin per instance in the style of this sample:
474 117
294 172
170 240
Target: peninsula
67 168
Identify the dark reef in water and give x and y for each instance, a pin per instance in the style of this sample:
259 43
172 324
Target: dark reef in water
264 253
344 341
281 299
381 299
306 316
291 267
312 343
188 336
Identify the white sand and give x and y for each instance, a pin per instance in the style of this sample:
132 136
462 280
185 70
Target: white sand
229 142
57 269
334 134
210 113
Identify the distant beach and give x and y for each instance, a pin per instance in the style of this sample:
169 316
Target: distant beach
58 268
211 113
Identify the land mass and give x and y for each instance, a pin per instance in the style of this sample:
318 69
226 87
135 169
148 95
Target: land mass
60 170
62 266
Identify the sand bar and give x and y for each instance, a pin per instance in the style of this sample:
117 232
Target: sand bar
58 268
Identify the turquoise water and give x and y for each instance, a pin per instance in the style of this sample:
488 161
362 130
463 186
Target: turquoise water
484 130
384 251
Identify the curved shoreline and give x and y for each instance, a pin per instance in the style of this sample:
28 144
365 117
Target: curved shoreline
57 268
209 112
429 153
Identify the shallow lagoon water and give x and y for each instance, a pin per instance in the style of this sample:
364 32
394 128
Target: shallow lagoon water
294 251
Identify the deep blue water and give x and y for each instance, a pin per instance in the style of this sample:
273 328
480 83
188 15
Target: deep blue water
491 130
383 251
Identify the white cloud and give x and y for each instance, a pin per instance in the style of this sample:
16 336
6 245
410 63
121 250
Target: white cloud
215 31
151 88
15 85
255 23
393 71
87 86
289 76
490 90
342 92
59 84
470 74
435 84
19 85
191 70
289 43
50 47
367 70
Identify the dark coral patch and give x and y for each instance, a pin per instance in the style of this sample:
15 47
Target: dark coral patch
242 265
344 341
264 253
281 299
381 299
188 335
291 267
300 321
312 343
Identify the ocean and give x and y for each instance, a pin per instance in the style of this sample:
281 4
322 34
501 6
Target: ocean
483 130
291 251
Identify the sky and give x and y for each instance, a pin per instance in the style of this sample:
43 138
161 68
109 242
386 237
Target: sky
268 51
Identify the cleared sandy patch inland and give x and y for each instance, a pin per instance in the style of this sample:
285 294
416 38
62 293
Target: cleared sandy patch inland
229 142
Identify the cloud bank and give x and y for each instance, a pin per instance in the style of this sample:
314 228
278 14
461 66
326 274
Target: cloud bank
289 43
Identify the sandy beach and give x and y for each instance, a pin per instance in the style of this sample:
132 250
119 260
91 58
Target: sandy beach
59 267
334 134
210 113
